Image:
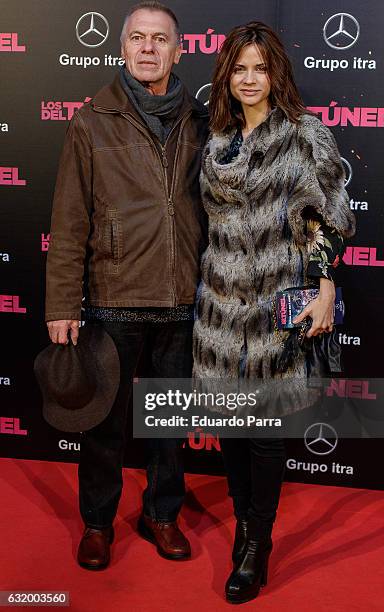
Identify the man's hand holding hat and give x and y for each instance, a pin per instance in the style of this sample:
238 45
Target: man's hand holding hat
58 331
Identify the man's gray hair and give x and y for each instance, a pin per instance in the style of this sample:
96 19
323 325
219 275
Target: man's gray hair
150 6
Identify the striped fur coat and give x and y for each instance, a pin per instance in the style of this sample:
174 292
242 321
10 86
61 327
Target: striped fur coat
257 244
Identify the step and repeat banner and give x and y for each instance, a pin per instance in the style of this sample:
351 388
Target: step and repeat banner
54 57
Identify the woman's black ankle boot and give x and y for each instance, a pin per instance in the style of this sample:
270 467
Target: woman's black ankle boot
251 572
240 540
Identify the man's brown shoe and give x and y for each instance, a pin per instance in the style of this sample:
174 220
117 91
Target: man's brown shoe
94 553
170 542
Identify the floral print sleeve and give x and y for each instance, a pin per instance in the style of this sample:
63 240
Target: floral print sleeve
325 247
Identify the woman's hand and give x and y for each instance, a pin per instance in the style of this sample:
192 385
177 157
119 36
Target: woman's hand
321 309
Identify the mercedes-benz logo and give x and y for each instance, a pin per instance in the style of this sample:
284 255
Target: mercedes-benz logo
320 438
348 171
202 94
92 29
341 31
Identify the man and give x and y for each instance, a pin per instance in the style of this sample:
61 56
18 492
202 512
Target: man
127 231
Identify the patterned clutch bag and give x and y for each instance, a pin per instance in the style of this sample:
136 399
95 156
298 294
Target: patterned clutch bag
292 301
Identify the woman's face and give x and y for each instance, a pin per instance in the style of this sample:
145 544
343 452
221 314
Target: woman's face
249 82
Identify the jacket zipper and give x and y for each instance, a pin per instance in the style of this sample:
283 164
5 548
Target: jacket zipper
171 208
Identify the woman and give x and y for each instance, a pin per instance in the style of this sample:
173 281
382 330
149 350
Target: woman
273 187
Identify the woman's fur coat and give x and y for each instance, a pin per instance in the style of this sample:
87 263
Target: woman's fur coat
257 246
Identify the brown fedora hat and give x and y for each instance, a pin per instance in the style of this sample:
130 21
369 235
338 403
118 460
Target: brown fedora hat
79 383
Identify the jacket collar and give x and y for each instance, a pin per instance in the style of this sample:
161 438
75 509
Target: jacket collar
113 99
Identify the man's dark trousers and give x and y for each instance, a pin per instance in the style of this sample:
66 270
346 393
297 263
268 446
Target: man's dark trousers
167 348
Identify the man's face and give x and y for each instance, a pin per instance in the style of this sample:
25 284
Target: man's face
150 47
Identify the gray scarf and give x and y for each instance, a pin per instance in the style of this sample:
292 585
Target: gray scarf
159 112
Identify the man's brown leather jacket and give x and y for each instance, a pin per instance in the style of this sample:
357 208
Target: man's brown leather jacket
128 226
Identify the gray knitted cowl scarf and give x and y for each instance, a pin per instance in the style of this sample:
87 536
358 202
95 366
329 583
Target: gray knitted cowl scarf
158 112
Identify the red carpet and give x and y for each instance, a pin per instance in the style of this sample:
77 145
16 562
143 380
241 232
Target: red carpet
328 547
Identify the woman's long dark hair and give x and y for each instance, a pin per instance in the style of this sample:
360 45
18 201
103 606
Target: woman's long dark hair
225 110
